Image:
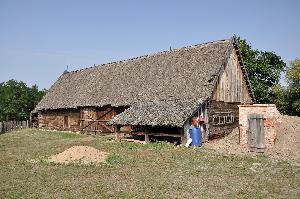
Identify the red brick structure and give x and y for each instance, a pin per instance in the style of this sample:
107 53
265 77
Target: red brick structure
272 120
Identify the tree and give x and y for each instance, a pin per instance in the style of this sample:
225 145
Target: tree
263 68
293 88
17 100
278 96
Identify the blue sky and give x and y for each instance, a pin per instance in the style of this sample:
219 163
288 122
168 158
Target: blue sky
38 39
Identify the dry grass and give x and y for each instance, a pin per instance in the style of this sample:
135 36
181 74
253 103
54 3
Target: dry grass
155 170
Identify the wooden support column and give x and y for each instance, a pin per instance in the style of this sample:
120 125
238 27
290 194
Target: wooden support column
182 140
146 135
117 133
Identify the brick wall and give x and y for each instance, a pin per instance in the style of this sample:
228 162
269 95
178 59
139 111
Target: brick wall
272 120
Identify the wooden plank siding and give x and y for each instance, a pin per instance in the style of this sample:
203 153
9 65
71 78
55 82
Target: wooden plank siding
94 119
231 85
87 119
56 120
223 118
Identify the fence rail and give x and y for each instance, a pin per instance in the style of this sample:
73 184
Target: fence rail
13 125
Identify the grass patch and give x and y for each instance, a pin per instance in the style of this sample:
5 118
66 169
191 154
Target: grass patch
114 159
60 135
155 170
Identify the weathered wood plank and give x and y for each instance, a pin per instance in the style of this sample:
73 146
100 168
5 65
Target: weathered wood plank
135 141
152 134
230 84
182 140
92 120
146 135
223 118
117 133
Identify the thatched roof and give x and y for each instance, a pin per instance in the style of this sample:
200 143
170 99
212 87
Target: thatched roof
144 84
162 113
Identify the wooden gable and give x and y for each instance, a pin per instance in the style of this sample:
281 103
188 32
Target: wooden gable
232 84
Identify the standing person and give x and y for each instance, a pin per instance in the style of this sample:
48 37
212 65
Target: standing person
194 124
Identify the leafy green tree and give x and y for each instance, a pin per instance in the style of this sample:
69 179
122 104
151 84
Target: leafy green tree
287 99
278 96
263 68
17 100
293 88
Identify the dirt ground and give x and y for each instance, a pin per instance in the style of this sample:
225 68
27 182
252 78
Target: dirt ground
228 144
286 147
80 154
287 143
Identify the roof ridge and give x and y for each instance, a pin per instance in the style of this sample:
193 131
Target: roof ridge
151 55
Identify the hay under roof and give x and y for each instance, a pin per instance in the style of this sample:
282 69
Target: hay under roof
143 82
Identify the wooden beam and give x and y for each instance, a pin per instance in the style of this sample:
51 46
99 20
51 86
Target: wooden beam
165 135
117 133
182 140
152 134
106 127
92 120
135 141
105 113
146 135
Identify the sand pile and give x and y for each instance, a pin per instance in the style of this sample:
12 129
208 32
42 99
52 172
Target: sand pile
80 154
228 144
287 143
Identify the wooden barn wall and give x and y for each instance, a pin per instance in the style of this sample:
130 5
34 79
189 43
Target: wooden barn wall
68 120
84 119
223 117
231 85
94 119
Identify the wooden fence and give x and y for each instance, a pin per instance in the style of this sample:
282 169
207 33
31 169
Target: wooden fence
13 125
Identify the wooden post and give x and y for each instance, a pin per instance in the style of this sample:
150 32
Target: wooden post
1 127
146 135
117 133
30 120
182 140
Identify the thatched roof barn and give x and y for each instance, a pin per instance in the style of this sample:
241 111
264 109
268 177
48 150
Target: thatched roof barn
163 89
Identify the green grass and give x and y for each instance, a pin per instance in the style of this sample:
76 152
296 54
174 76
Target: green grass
155 170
